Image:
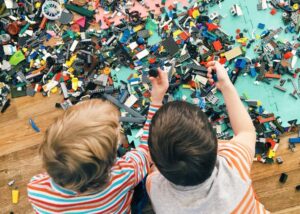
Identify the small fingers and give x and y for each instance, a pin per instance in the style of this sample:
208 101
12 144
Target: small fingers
211 63
210 69
163 75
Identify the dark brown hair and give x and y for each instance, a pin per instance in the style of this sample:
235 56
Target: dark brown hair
182 143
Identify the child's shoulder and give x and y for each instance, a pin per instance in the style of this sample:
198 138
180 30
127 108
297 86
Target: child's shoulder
39 180
236 156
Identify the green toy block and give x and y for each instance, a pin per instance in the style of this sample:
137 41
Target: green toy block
16 58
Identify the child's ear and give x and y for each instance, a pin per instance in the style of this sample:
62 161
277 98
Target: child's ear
122 140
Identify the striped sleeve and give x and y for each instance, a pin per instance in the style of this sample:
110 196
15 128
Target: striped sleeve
237 156
249 204
140 158
152 110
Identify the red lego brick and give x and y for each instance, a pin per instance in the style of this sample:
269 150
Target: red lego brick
222 60
265 120
152 60
217 45
288 55
273 11
171 7
190 12
211 26
274 76
184 36
178 42
271 141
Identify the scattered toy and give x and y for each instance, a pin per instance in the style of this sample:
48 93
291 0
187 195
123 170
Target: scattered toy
283 178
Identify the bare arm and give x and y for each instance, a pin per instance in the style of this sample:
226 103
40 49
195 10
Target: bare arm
239 118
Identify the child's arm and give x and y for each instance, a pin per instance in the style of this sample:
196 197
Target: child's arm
138 160
160 85
239 118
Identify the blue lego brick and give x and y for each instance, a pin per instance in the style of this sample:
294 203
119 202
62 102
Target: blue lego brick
294 140
240 63
261 26
252 71
125 36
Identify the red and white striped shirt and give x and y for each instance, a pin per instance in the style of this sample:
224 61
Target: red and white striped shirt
48 197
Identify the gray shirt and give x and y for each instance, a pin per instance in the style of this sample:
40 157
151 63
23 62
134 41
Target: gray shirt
226 191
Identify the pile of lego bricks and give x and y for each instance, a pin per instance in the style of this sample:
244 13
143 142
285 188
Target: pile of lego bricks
47 48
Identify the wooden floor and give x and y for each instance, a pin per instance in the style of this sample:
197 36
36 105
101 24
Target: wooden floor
19 158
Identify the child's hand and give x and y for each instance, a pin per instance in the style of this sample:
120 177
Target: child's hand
160 85
215 68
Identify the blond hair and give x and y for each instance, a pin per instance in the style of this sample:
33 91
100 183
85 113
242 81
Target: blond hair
80 148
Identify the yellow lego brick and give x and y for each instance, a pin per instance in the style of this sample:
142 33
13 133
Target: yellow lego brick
296 6
195 14
54 90
186 86
192 24
271 153
176 33
242 40
15 196
71 69
37 5
138 28
259 103
106 70
135 75
257 36
31 63
74 84
71 61
43 62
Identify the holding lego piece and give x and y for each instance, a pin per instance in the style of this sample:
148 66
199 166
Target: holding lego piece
195 169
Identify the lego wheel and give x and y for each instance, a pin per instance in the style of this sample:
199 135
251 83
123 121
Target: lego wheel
51 10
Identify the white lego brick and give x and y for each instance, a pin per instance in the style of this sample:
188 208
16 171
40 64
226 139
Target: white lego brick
131 100
73 46
133 45
142 54
50 85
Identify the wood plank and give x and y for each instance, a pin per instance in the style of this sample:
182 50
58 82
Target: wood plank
292 210
19 166
274 195
16 133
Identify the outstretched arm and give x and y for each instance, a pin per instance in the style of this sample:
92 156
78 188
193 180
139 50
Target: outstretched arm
160 85
239 118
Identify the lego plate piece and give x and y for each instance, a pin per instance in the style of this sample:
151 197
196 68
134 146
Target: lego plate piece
233 53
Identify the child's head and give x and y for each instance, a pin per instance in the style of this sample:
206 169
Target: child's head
182 144
80 147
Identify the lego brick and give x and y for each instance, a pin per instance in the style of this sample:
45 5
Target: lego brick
170 45
233 53
283 178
